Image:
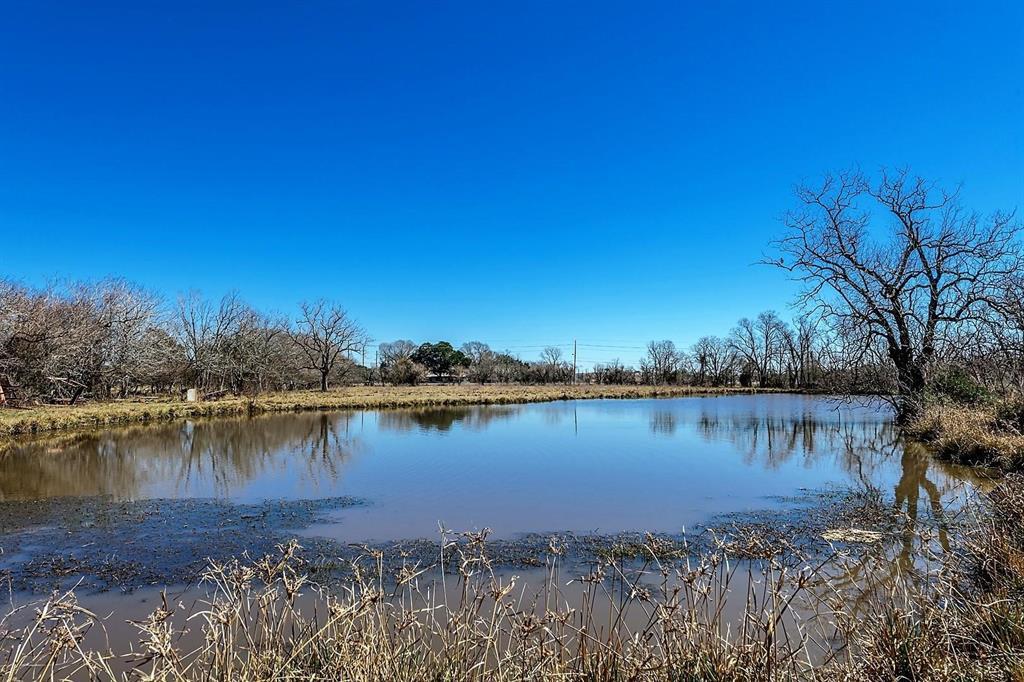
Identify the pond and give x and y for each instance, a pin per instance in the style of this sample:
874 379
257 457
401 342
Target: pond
118 514
601 466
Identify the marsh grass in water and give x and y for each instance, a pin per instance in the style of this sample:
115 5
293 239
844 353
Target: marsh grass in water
710 617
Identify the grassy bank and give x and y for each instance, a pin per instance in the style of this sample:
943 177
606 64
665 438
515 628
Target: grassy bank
40 419
986 435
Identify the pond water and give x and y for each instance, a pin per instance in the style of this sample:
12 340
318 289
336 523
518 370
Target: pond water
119 514
601 466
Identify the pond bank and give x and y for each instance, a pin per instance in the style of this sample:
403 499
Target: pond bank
987 435
46 418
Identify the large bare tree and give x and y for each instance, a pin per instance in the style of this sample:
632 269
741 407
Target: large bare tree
324 332
940 267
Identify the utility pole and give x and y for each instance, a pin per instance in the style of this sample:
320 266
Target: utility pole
574 362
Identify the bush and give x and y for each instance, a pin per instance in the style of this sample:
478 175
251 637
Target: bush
956 386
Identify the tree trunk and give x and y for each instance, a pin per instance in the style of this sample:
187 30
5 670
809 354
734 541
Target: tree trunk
911 380
323 382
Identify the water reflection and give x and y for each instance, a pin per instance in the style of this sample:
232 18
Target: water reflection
591 465
188 459
444 418
773 440
663 422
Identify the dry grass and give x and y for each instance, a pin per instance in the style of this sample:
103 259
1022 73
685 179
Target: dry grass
259 625
820 620
984 435
89 415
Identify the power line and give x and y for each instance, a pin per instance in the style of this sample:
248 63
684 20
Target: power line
594 345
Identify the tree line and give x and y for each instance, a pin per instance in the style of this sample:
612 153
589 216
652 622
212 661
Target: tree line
114 339
906 294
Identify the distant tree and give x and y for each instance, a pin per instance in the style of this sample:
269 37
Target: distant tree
261 353
120 316
508 368
481 361
701 352
323 333
552 367
397 364
441 358
722 361
662 361
552 355
205 331
760 343
799 346
612 372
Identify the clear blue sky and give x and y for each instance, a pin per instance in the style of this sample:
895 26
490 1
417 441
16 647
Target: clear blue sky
521 173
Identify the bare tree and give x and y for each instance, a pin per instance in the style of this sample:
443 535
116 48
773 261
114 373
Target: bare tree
552 355
662 361
942 266
397 365
722 361
481 361
799 347
743 340
261 355
552 367
124 315
701 353
206 332
324 332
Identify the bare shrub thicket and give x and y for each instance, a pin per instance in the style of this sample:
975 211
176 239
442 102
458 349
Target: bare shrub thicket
114 339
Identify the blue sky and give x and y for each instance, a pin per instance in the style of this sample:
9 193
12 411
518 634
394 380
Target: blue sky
521 173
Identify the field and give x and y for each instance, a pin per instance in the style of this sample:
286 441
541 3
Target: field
40 419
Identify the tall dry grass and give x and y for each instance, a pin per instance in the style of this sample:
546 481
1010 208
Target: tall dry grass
670 617
988 435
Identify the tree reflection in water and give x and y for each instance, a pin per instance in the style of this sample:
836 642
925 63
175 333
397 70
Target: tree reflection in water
205 458
445 418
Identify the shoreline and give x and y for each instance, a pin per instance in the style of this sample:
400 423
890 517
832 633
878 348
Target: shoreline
60 418
979 436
